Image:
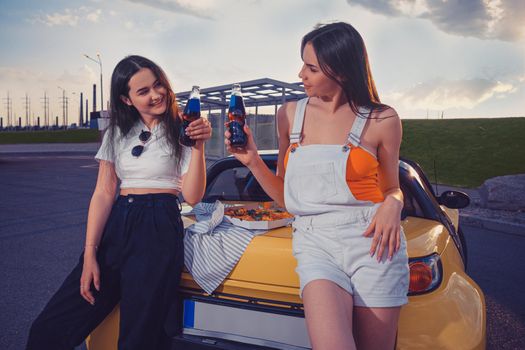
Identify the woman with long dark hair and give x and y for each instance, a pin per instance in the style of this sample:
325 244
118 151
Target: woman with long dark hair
338 174
134 241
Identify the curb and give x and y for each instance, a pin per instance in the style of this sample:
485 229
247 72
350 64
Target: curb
493 224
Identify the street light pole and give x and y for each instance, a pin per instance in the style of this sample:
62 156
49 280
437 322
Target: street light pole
99 61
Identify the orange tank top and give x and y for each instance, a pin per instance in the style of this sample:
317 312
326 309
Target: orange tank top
362 174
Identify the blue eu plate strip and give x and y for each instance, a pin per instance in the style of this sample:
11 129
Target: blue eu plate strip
189 313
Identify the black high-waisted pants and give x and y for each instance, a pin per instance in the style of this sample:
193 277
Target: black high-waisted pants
140 256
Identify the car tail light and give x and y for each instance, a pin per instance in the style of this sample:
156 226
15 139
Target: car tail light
425 274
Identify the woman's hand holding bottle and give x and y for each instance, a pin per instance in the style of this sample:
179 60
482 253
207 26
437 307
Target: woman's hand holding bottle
199 130
246 155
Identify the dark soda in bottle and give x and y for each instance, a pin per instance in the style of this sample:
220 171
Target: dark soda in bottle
192 111
237 118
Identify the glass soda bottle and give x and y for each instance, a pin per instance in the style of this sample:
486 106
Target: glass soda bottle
192 111
237 118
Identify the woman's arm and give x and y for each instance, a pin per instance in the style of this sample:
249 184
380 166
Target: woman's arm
194 181
386 223
272 184
100 205
388 155
99 210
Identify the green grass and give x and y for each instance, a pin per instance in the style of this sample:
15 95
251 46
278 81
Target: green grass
466 152
57 136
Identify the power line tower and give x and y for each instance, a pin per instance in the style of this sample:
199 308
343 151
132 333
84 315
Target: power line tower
9 109
64 102
27 106
67 112
45 103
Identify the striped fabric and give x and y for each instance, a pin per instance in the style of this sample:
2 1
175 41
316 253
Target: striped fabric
212 246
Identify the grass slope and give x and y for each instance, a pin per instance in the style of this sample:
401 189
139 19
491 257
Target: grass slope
57 136
466 151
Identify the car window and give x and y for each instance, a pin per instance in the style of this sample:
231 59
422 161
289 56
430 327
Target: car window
235 184
419 201
410 207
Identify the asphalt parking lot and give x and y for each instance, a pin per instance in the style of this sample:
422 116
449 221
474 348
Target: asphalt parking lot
42 225
43 212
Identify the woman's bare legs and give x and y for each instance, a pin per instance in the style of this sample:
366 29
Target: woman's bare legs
334 322
328 312
375 328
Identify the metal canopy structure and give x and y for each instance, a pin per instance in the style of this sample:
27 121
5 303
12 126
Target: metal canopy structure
256 93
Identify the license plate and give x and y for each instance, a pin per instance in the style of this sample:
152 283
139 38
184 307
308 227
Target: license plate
244 325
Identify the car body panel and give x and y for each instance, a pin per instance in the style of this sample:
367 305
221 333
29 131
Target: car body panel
440 319
275 250
451 317
424 237
105 336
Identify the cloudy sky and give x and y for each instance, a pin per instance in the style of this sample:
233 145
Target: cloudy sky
465 58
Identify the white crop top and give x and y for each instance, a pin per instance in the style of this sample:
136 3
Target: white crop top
154 168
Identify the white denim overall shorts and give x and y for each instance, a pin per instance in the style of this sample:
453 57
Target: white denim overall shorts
328 240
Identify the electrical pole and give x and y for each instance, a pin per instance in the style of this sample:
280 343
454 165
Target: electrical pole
45 102
67 112
64 107
27 106
9 106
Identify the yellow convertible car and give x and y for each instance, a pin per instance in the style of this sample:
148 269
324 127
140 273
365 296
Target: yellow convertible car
258 306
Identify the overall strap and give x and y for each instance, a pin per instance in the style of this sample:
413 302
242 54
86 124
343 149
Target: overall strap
354 137
295 135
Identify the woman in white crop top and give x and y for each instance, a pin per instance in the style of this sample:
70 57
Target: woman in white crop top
134 241
349 246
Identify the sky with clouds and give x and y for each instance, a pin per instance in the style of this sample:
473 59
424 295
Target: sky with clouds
463 58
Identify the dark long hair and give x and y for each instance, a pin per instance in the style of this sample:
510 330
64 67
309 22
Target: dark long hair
124 117
342 56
